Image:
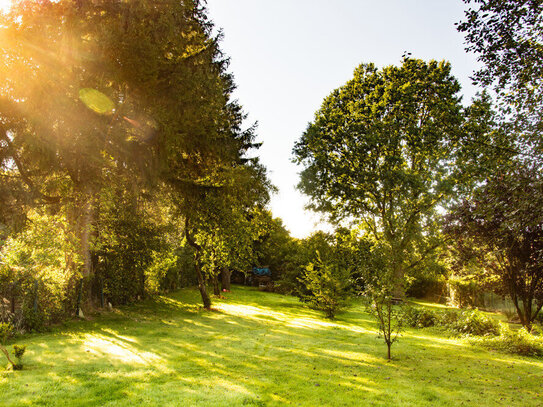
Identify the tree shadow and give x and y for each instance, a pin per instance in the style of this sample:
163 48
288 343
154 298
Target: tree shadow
168 351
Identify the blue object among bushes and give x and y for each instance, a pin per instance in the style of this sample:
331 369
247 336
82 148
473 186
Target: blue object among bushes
264 271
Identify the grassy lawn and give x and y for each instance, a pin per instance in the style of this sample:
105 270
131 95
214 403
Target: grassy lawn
258 349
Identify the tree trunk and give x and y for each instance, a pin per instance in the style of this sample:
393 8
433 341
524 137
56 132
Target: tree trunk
399 288
520 312
81 218
201 282
388 350
216 289
225 279
87 219
527 305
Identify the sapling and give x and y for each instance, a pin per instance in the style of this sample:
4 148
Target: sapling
6 331
327 286
18 352
382 305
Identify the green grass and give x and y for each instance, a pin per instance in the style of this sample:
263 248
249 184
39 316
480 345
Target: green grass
258 349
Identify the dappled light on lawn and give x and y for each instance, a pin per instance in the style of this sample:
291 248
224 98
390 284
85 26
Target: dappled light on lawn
289 320
99 345
257 349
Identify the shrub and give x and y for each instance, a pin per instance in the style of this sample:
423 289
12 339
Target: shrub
34 319
6 330
36 266
537 330
519 342
448 319
471 322
475 322
327 287
420 317
18 352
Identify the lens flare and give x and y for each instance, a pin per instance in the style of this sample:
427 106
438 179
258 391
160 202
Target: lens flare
96 101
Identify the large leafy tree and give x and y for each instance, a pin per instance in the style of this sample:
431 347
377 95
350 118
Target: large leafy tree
381 151
94 93
501 226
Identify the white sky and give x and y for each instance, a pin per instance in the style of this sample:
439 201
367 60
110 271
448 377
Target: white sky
287 55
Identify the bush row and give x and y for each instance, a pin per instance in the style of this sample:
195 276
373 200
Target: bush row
469 322
520 342
41 277
482 329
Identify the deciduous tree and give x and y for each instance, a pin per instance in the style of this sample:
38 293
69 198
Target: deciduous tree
381 151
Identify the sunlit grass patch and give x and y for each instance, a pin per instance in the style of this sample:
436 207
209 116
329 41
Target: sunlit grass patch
258 349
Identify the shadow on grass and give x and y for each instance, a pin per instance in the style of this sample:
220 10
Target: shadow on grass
258 349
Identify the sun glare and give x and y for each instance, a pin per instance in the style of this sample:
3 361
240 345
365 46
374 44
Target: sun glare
5 5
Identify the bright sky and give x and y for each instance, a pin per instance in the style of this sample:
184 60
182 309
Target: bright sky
287 55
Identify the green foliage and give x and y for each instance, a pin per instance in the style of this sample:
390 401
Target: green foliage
519 342
278 250
468 322
307 251
419 317
506 36
128 238
464 292
35 320
327 286
381 150
425 286
162 273
134 109
381 303
475 322
37 268
501 226
19 350
6 331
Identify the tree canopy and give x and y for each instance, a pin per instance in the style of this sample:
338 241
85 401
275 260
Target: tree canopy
507 37
381 151
106 105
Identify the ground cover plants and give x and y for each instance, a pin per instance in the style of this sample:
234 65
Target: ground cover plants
259 349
